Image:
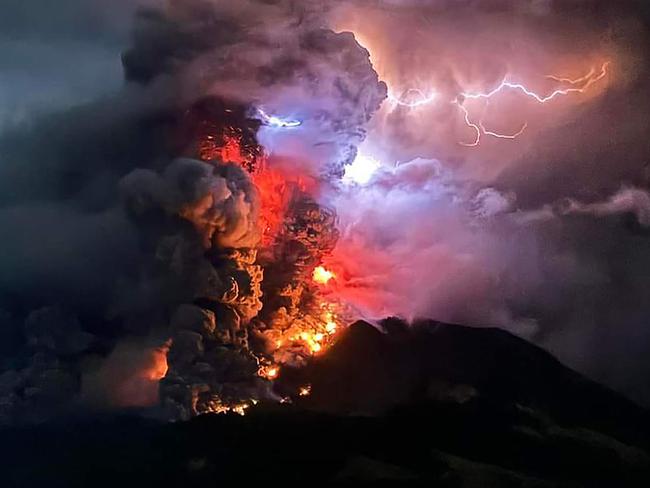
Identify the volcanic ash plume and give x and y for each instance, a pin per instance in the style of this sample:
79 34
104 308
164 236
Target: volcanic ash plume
279 57
209 166
326 91
255 184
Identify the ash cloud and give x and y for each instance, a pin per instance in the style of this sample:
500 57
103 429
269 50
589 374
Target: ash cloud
128 377
115 237
629 200
545 235
279 56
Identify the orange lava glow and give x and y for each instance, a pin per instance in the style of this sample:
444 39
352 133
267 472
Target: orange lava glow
128 377
309 334
158 367
276 190
275 187
309 329
274 201
220 407
227 150
322 275
269 372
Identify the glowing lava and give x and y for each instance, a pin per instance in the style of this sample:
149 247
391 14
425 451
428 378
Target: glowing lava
269 372
305 323
219 407
228 148
322 275
274 194
309 333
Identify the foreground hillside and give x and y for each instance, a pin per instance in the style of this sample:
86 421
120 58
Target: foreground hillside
434 405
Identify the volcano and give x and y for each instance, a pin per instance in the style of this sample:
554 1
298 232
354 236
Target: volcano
237 235
428 404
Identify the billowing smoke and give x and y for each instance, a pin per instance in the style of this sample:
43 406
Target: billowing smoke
171 227
627 200
139 227
128 377
280 57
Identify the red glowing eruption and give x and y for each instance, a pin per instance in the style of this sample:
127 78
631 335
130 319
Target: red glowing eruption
275 186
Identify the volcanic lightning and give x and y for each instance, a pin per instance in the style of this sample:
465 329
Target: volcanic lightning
415 98
480 129
278 122
587 80
503 136
471 125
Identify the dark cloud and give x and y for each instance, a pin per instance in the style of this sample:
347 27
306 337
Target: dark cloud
58 54
107 225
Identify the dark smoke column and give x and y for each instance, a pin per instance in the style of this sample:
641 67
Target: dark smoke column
216 65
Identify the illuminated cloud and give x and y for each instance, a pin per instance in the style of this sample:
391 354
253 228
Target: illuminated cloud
361 169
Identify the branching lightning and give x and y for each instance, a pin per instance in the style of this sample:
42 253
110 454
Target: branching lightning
588 81
504 136
480 129
577 85
571 81
470 124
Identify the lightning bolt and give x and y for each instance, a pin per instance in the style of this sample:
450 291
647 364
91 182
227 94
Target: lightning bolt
589 81
577 85
504 136
480 129
576 81
423 99
278 122
470 124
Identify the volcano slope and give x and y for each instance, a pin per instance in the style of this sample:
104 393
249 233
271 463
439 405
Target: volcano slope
428 404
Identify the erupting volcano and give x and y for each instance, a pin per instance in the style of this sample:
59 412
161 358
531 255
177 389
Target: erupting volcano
277 207
287 306
294 316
